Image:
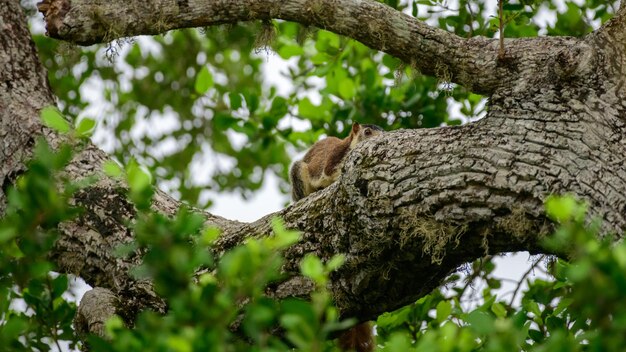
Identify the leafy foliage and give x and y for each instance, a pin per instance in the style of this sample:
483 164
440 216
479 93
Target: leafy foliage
33 311
193 106
203 311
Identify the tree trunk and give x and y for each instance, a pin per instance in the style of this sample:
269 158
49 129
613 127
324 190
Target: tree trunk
411 206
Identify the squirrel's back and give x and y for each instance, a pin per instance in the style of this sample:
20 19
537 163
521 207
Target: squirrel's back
324 159
321 165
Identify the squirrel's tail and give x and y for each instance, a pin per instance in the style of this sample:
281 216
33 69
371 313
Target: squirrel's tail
359 338
297 186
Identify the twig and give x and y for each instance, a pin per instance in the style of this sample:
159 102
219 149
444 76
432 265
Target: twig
471 24
521 281
474 275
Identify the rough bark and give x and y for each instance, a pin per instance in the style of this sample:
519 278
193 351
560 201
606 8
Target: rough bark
411 206
95 308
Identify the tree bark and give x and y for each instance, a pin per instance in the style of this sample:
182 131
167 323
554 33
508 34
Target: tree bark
411 206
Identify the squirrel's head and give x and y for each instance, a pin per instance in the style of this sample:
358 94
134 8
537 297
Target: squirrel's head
362 132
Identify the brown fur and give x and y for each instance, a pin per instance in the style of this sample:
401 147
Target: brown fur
360 339
321 165
326 155
297 186
319 168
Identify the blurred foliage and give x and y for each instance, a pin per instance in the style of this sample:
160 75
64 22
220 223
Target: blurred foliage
34 314
203 310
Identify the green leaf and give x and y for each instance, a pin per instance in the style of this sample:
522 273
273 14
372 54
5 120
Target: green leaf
480 321
307 110
327 41
139 178
564 208
59 285
535 335
288 51
112 169
179 344
85 127
298 331
14 327
112 324
52 117
532 307
311 267
204 80
498 309
335 262
40 269
444 308
236 101
278 109
209 235
398 342
347 89
7 233
512 7
282 238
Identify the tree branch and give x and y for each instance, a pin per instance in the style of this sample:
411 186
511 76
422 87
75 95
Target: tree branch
611 40
470 62
96 307
24 91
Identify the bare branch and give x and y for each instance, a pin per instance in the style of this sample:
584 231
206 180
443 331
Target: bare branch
524 276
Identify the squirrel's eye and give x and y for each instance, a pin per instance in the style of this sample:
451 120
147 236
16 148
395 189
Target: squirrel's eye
368 132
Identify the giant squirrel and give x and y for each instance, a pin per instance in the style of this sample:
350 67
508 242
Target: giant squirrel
320 167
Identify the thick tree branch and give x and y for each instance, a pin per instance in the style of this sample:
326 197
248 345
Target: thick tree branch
24 91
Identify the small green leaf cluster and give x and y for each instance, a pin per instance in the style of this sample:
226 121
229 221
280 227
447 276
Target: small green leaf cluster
53 118
583 307
34 314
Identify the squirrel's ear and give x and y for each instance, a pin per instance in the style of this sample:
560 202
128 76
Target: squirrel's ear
356 127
